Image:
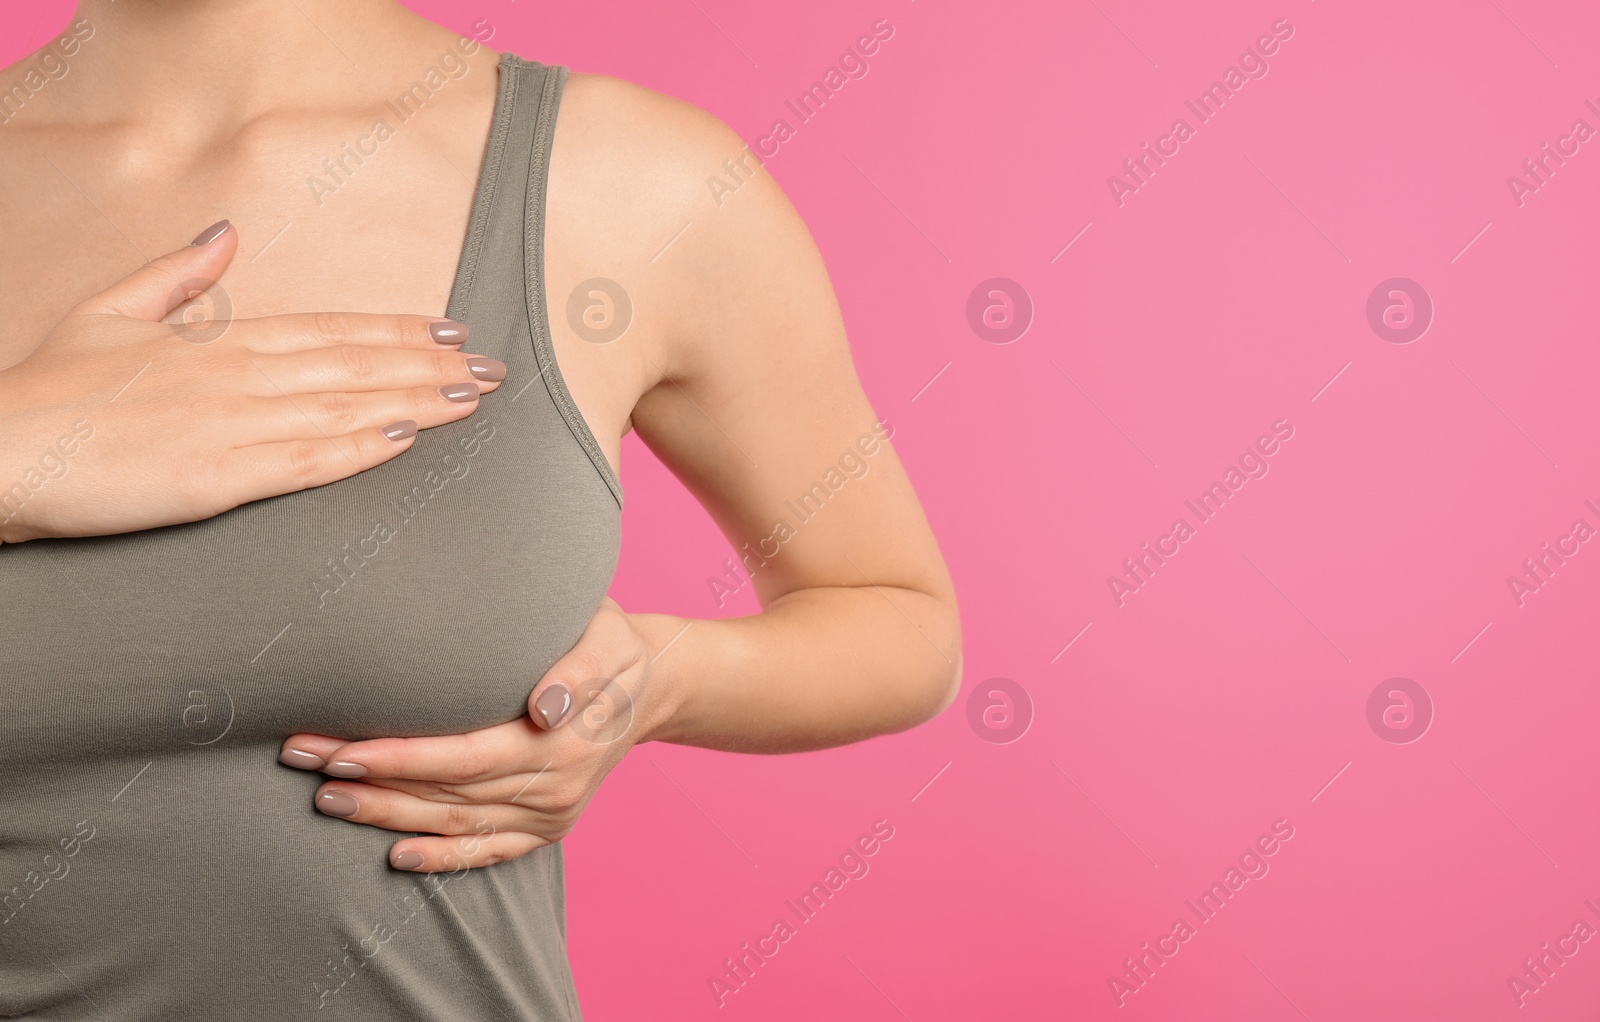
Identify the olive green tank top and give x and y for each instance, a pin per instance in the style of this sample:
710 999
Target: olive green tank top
157 863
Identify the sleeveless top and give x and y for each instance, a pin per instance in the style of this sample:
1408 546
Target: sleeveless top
156 862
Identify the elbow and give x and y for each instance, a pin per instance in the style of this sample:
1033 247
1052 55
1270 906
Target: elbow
944 682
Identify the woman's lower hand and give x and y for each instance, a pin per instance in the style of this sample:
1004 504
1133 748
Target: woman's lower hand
501 792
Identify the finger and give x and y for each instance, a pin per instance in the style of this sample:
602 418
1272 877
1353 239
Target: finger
605 650
308 331
271 469
308 751
310 416
442 854
166 282
398 810
488 754
361 368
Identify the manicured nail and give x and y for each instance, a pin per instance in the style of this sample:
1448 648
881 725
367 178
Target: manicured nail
300 760
401 430
448 332
345 768
460 392
407 860
211 233
553 704
337 803
491 369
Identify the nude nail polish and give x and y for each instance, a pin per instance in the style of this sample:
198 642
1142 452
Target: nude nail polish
491 369
402 430
300 759
407 860
211 233
337 803
552 705
448 332
345 768
460 392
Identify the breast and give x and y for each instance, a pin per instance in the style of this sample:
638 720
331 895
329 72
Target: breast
425 596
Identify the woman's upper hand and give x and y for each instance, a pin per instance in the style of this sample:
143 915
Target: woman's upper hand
501 792
120 421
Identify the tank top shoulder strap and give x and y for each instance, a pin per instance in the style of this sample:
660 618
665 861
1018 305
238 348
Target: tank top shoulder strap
510 203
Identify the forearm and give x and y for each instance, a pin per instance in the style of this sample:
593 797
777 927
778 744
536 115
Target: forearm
818 668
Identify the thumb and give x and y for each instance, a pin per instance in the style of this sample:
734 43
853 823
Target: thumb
166 282
587 683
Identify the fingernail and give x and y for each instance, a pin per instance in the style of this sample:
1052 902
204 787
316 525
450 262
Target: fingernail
491 369
401 430
211 233
407 860
553 704
448 332
345 768
460 392
337 803
301 760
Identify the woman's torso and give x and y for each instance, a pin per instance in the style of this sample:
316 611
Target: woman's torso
155 860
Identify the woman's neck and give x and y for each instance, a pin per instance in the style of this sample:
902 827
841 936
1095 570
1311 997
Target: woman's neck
192 70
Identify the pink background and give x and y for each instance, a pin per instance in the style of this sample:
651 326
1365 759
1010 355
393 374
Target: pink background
1231 691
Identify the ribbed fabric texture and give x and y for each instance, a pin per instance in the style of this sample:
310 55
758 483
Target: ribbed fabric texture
156 862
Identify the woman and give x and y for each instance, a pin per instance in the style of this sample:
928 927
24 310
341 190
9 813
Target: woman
277 536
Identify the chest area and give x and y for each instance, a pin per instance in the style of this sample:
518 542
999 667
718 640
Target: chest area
425 596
